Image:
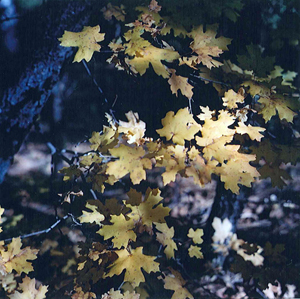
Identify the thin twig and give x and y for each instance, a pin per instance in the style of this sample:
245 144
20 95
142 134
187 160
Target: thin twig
210 80
46 231
94 80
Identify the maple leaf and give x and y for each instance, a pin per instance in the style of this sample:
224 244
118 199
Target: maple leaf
104 141
238 171
276 103
175 282
131 161
165 238
214 129
253 132
91 217
132 262
86 41
171 157
154 6
14 258
198 169
27 286
223 230
206 46
145 211
111 10
136 44
195 251
134 129
153 55
255 258
180 83
80 294
179 127
196 235
69 172
254 61
231 98
121 231
112 294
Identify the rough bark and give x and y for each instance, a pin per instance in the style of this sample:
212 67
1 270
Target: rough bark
41 63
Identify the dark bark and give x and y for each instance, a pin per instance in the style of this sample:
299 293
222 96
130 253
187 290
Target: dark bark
37 70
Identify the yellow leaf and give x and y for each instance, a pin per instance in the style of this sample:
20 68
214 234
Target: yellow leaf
91 217
276 103
171 157
102 142
196 235
179 82
214 129
165 238
253 132
15 258
175 282
231 98
153 55
131 161
145 211
86 41
112 294
29 291
134 129
121 231
206 46
179 127
195 251
132 262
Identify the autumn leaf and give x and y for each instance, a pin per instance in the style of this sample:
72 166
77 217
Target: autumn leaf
179 127
153 55
131 160
114 11
132 262
253 60
112 294
12 257
134 129
175 282
165 238
214 129
121 231
196 235
206 46
253 132
276 103
86 41
69 172
173 158
91 217
105 140
223 230
231 98
27 287
195 251
180 83
146 212
136 44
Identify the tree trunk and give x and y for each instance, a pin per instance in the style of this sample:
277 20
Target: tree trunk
40 61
